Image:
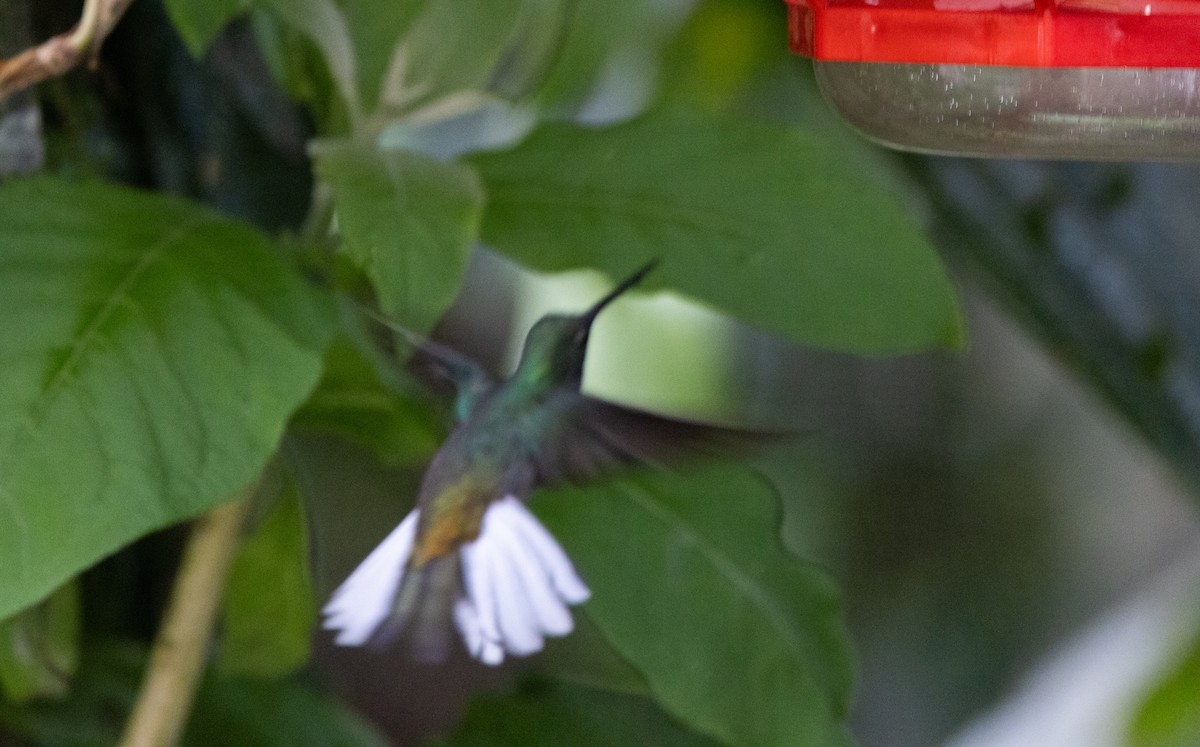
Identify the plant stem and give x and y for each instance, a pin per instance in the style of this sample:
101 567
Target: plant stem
177 660
59 54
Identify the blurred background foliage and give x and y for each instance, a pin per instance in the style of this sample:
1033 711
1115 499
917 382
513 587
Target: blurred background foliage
977 508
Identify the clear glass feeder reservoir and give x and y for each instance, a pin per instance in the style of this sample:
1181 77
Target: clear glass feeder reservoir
1102 79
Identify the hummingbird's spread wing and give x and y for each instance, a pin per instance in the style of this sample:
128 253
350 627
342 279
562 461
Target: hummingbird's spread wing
438 366
598 436
441 367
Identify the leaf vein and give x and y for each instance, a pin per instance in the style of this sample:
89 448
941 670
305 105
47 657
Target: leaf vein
119 295
742 581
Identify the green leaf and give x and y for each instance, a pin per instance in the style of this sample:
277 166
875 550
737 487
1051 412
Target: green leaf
299 67
452 45
377 26
226 711
324 24
596 36
198 21
763 222
399 427
39 647
269 609
586 658
554 715
92 715
273 713
1170 714
690 584
152 352
408 221
717 59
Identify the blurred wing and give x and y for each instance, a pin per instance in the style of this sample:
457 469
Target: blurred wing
442 368
439 366
598 437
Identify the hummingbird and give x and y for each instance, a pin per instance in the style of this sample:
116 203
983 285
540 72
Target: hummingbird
471 555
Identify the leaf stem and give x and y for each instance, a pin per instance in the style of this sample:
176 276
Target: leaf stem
320 215
177 660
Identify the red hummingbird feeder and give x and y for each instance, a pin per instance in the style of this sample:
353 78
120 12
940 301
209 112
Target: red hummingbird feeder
1099 79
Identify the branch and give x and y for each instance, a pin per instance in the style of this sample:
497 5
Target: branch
63 52
177 660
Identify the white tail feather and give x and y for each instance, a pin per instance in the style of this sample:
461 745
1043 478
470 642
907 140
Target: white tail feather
517 583
364 600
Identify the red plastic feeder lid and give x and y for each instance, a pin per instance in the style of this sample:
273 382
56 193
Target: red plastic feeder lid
1037 33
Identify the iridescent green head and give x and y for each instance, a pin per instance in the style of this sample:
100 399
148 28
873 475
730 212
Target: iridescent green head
556 345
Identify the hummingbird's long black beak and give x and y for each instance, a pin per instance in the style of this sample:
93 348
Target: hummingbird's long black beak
590 315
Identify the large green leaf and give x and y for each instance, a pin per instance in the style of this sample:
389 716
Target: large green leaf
691 585
269 610
408 220
151 353
554 715
766 223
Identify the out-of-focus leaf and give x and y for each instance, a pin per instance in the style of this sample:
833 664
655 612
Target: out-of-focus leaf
607 60
273 714
152 352
1170 714
691 585
198 21
324 24
39 647
450 46
555 715
92 715
377 26
586 658
350 401
298 66
269 608
226 711
760 221
536 43
320 21
1065 245
408 221
717 54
